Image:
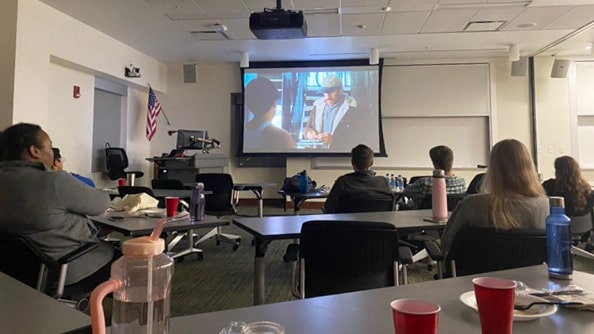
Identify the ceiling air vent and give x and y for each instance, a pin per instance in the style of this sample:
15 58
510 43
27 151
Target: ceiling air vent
216 32
483 25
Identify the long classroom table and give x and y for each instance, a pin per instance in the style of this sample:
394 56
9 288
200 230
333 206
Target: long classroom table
26 310
267 229
369 311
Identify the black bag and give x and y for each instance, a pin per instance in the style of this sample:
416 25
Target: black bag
291 184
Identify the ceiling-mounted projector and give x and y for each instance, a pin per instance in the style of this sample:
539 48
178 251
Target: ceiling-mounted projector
278 24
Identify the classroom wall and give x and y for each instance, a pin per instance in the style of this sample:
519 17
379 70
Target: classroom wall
55 52
8 10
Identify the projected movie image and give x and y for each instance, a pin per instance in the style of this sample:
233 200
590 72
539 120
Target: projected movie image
310 110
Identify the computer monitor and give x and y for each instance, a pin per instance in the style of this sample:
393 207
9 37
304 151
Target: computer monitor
192 139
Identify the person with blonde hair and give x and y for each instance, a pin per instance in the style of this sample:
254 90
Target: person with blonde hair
569 184
511 196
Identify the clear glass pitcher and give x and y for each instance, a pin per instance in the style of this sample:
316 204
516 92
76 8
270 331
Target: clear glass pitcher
141 284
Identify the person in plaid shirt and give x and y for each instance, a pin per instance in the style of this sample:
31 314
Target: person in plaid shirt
442 157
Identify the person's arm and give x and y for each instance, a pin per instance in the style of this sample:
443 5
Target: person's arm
418 189
309 130
332 201
549 187
79 198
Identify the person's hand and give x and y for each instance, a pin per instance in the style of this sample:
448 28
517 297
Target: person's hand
311 134
325 137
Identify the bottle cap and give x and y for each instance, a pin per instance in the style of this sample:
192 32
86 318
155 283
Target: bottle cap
143 246
557 202
438 173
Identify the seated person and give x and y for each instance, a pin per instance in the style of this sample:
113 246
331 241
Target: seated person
260 135
362 180
569 184
58 165
49 208
442 157
511 198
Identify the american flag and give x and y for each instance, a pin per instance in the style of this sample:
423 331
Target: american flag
154 109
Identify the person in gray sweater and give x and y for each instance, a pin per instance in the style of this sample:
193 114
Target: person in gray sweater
50 208
511 196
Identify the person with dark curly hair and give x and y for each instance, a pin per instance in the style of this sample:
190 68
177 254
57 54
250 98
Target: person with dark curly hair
569 184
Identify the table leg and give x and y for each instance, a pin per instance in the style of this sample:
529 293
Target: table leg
260 271
260 196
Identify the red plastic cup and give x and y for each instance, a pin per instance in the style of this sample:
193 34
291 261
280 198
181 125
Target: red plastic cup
121 182
495 299
415 316
171 205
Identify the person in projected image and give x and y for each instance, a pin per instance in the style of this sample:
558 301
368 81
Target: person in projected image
260 134
330 113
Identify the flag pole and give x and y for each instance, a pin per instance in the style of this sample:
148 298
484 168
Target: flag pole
165 115
163 111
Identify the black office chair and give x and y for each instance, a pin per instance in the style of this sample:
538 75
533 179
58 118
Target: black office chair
361 202
219 203
475 184
167 184
20 259
344 256
452 201
116 161
581 231
479 250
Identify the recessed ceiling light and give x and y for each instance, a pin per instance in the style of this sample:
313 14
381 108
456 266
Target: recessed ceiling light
386 9
527 25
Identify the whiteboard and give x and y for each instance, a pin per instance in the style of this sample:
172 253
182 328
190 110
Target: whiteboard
408 140
429 105
430 90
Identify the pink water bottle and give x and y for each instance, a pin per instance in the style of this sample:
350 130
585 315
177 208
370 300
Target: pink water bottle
141 284
439 199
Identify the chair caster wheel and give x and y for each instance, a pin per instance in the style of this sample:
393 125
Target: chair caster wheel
286 258
218 242
179 259
82 305
238 240
200 256
235 247
429 267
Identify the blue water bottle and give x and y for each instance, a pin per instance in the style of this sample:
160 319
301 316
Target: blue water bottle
559 259
303 182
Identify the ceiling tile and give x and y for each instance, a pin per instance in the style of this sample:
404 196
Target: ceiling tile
319 25
357 3
541 16
412 5
178 9
575 18
448 20
314 4
497 14
362 24
404 22
222 9
259 5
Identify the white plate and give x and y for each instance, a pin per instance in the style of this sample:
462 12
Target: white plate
533 313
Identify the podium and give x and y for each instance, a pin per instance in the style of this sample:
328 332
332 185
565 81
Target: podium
185 168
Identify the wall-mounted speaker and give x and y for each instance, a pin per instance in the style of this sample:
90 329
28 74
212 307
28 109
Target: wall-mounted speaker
190 73
560 68
519 68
